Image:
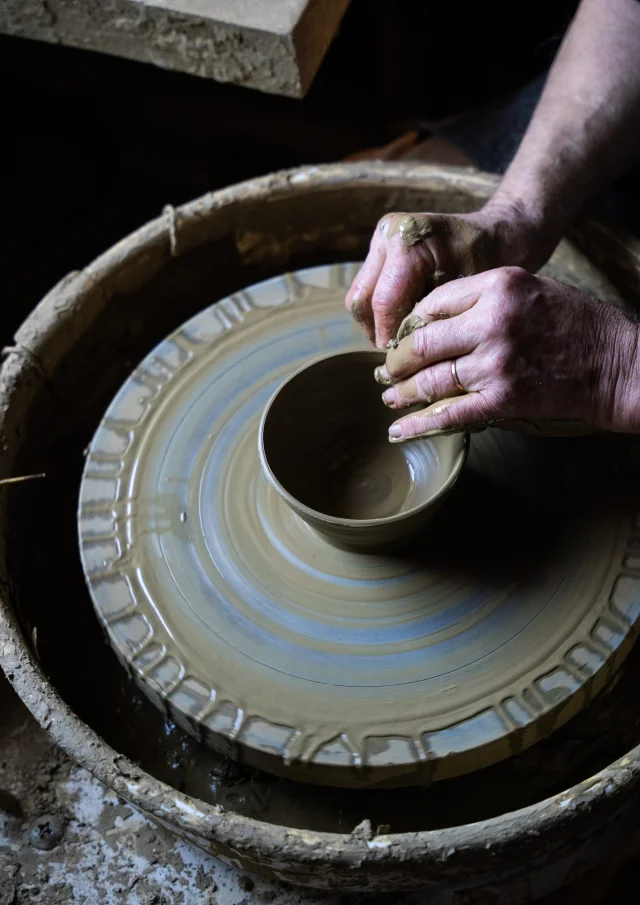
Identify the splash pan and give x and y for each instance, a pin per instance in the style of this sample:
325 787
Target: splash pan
327 665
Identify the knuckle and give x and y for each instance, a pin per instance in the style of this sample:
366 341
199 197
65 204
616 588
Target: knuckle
509 279
431 306
424 384
382 302
382 227
420 342
496 319
501 364
516 276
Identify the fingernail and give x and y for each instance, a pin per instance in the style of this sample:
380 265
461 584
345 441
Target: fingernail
395 431
382 376
389 398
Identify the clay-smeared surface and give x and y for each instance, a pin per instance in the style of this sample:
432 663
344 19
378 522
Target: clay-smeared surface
429 662
411 228
460 248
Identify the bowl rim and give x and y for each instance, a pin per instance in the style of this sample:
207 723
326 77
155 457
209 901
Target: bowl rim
316 514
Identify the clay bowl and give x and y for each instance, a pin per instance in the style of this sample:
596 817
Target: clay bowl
324 447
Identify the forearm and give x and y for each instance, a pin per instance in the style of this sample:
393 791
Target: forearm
584 133
624 377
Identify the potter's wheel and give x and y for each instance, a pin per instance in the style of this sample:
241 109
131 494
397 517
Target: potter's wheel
330 666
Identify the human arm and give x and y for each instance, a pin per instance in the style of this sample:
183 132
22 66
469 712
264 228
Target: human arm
584 132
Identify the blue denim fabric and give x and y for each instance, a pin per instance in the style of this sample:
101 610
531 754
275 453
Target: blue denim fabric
491 134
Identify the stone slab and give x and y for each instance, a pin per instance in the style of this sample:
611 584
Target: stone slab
276 47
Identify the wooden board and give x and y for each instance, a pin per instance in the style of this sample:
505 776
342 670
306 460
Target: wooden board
275 47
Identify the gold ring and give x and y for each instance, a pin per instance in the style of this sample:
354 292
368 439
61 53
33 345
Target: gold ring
456 379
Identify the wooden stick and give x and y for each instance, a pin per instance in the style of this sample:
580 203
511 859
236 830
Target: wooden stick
25 477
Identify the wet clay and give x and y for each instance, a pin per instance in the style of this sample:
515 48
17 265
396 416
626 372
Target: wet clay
331 665
459 247
412 228
325 443
361 477
364 481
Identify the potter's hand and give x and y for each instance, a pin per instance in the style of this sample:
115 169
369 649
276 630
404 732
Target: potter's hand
410 254
525 348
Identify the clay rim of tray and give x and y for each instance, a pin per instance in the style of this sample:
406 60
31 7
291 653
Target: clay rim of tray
508 834
270 841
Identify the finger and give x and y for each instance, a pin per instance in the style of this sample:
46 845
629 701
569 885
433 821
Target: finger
464 413
429 384
452 298
359 296
437 341
402 282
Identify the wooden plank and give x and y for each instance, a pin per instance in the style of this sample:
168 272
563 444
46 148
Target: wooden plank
275 46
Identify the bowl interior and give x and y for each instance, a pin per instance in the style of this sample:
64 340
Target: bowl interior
325 440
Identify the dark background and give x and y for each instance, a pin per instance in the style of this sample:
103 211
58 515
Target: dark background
96 145
93 146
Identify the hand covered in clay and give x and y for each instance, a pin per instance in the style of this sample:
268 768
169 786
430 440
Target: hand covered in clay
410 254
524 349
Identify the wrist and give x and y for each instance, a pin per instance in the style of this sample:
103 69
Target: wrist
621 372
521 233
